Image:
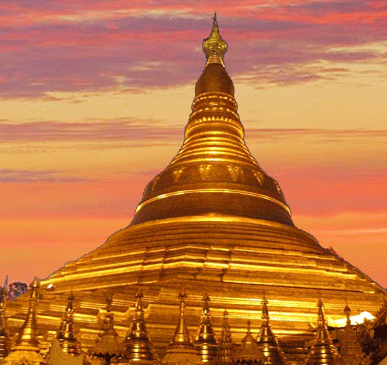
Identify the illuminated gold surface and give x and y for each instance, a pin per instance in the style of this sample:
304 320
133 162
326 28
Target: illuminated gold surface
138 346
66 336
231 236
224 356
322 352
249 351
267 341
109 346
26 349
206 338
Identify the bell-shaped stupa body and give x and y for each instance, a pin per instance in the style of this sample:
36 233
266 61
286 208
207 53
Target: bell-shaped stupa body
213 222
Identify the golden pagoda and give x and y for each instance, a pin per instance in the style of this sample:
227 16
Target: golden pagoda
108 347
66 336
213 222
322 352
138 346
267 341
26 349
206 340
249 353
225 348
181 349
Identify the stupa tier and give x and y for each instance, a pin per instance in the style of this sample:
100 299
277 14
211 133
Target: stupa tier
212 222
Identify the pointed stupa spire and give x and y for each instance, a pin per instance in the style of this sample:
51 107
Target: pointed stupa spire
109 346
181 337
225 343
322 351
66 336
181 349
28 333
26 348
206 339
267 341
137 343
5 339
351 352
214 46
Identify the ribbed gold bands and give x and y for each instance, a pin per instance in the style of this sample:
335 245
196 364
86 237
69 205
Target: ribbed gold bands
204 191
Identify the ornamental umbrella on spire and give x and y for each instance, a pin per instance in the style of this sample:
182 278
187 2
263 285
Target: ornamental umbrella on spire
26 349
267 342
225 343
138 346
206 339
181 349
322 352
214 46
5 339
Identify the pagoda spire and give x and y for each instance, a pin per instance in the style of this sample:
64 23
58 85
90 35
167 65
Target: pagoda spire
28 334
66 336
214 46
351 352
322 352
267 340
26 348
225 343
108 347
206 339
181 337
5 339
249 351
181 350
137 343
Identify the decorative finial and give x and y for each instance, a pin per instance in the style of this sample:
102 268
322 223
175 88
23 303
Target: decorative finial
66 336
267 341
181 337
214 46
249 326
28 334
137 342
206 339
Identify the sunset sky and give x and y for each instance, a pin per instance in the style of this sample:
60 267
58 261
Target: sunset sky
95 95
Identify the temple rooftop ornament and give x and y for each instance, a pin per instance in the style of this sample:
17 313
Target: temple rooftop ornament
224 355
249 352
351 352
214 46
138 346
109 346
206 340
26 349
66 336
267 342
181 349
181 337
322 351
5 339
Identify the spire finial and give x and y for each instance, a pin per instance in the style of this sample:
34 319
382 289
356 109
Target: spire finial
214 46
181 337
28 334
66 336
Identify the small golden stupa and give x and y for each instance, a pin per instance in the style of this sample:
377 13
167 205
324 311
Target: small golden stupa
212 222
